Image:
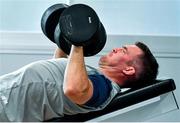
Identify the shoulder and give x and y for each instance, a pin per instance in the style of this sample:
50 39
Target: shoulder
101 90
104 90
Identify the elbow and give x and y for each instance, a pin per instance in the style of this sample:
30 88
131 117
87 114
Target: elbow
75 89
69 91
69 88
76 96
72 94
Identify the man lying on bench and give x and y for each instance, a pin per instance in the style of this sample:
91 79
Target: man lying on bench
53 88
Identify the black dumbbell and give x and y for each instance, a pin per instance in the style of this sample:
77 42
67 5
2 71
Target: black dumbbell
50 19
79 25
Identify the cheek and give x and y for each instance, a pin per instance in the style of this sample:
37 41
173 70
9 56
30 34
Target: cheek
112 59
116 59
119 61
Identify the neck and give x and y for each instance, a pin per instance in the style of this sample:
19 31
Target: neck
113 74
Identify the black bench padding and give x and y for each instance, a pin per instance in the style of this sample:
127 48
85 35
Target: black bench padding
124 99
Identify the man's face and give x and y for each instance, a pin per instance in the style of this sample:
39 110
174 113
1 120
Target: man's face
119 57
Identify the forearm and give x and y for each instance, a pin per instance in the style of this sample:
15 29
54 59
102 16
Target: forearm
59 53
76 79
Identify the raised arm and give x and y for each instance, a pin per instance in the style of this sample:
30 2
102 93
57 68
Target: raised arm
77 86
59 53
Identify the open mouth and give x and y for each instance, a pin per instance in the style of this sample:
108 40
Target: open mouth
110 54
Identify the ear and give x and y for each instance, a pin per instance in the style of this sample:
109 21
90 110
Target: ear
129 70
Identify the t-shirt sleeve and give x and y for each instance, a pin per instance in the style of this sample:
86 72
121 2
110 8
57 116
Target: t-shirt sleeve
101 90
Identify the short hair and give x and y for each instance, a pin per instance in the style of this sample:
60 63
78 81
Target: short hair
149 67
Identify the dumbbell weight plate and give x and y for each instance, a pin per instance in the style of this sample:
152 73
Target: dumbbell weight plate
60 41
78 23
50 19
69 31
98 42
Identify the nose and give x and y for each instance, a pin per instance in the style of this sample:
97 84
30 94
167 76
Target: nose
115 50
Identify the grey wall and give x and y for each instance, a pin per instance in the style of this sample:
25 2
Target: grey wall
23 15
156 17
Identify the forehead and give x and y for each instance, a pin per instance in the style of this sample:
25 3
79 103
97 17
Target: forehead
133 49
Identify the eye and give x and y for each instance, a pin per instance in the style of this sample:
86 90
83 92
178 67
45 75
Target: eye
124 50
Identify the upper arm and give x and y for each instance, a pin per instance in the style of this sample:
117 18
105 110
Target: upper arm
98 91
77 86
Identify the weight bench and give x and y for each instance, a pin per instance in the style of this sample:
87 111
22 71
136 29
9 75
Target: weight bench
124 99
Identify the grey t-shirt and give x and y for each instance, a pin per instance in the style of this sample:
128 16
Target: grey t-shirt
35 93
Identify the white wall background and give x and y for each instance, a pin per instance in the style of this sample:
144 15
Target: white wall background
23 15
156 22
154 17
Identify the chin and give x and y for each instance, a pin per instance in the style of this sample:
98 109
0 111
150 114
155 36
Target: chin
103 60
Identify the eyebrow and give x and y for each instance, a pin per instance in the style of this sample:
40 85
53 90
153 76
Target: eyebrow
124 47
